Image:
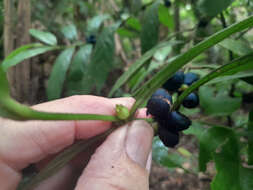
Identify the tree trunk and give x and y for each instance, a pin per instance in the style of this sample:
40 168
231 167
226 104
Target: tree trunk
23 70
9 11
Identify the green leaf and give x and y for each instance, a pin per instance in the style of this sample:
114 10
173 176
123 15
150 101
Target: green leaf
250 139
22 54
150 28
212 8
135 67
162 76
197 129
165 17
230 173
4 86
236 46
161 155
69 32
58 74
133 23
80 63
220 104
136 6
231 77
102 59
45 37
209 143
78 81
95 23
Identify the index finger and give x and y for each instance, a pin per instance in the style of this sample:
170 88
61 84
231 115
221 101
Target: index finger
38 139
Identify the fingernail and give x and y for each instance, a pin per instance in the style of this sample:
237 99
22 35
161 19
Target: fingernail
139 142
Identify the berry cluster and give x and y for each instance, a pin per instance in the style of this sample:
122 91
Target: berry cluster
170 123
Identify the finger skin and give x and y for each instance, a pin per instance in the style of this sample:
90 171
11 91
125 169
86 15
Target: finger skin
28 142
121 161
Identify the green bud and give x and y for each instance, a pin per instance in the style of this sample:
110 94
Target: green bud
122 112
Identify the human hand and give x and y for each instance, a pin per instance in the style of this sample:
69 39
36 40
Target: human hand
121 162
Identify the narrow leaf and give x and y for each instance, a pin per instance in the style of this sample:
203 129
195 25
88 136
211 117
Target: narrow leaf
58 74
18 57
45 37
136 66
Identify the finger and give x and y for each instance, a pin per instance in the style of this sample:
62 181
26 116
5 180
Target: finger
120 162
38 139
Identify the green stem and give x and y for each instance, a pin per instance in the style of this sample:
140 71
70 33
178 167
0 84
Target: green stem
23 112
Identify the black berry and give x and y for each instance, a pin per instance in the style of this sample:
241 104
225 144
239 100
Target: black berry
178 121
158 107
190 78
169 139
191 101
91 39
175 82
162 93
203 23
167 3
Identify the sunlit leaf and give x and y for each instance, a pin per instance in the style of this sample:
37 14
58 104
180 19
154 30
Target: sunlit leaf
45 37
23 54
69 31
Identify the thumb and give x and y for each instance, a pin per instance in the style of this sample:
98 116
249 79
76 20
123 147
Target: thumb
121 161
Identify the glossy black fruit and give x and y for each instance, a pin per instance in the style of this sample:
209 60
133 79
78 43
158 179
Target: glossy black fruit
191 101
91 39
158 107
162 93
202 23
174 82
178 122
167 3
190 78
169 139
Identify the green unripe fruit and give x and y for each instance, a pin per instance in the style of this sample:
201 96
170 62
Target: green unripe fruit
122 112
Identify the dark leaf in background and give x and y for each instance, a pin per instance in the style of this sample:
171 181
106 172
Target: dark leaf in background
214 7
102 60
45 37
150 28
80 63
209 141
78 81
236 46
58 74
250 139
231 175
219 104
